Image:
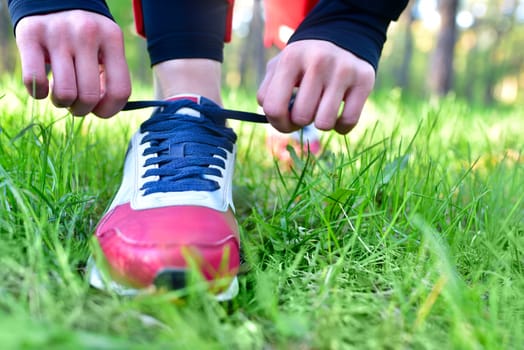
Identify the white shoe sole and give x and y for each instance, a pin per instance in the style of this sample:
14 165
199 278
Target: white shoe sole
97 281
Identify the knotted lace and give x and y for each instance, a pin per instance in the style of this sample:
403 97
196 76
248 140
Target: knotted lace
188 153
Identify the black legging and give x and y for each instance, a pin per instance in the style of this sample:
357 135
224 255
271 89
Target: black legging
184 28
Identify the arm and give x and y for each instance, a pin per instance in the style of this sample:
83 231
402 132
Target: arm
23 8
332 58
84 48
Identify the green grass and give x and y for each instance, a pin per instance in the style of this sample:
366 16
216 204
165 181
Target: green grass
408 233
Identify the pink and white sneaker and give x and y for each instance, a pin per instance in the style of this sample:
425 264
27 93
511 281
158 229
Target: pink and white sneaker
174 208
303 141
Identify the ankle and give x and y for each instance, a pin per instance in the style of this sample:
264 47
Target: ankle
188 76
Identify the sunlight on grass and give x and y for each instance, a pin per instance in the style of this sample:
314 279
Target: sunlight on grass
407 233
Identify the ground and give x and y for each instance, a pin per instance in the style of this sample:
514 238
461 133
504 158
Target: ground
408 233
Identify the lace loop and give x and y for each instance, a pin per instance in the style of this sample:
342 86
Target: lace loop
186 152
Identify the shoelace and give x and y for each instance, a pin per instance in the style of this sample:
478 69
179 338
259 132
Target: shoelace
189 150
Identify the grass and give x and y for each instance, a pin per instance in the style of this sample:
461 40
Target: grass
408 233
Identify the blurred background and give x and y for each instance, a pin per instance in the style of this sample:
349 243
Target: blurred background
472 49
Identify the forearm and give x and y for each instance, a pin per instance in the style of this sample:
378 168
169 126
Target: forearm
19 9
357 26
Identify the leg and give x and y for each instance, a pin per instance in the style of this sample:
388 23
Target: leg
174 207
185 42
189 76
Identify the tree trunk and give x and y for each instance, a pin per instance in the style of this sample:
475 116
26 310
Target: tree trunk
501 28
253 52
441 69
403 75
7 59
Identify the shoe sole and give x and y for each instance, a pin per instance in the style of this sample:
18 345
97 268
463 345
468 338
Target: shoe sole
170 279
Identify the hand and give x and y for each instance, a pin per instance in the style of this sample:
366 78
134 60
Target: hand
86 54
325 75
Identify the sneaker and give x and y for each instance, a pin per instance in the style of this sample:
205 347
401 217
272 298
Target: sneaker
303 141
174 208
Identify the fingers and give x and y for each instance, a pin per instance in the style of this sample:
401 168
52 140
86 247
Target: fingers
326 76
74 65
86 54
64 91
276 91
353 105
327 112
307 99
116 82
32 57
87 76
262 90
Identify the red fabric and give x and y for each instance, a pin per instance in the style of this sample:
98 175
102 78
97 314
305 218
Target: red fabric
278 14
281 14
229 21
139 19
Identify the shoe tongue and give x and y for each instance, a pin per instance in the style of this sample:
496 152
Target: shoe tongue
179 150
187 110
